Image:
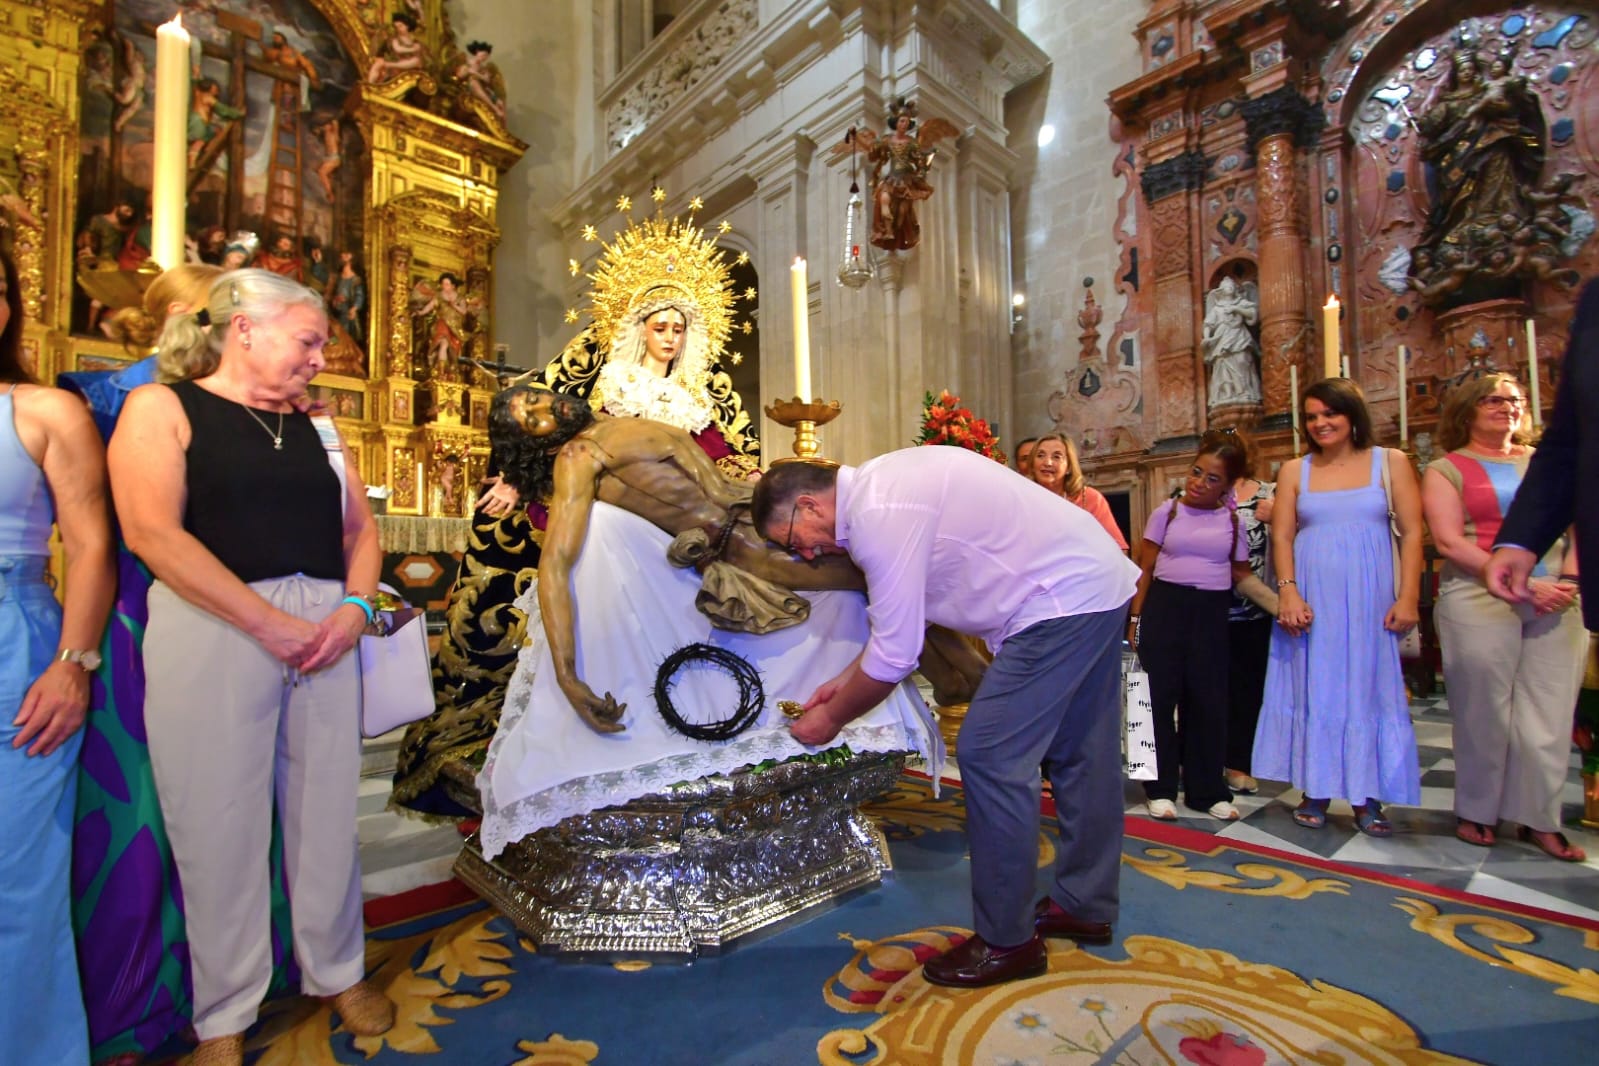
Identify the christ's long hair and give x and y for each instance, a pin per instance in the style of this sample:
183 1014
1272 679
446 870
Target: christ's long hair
527 463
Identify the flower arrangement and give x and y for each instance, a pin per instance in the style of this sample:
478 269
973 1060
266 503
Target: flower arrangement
945 421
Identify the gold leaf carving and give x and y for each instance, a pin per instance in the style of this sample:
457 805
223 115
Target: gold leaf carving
1573 983
1171 867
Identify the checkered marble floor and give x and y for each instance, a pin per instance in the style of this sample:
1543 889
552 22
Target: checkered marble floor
1423 846
400 853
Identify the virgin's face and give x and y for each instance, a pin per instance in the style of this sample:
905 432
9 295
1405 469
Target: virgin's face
1050 465
1325 426
285 351
663 339
1499 413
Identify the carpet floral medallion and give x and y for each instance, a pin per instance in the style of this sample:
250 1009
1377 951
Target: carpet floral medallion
1226 955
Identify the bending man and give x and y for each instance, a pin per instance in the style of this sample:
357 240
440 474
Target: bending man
1047 588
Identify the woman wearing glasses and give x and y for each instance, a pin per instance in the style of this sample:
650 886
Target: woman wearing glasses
1512 671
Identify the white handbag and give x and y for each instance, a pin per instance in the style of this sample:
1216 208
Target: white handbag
1139 737
396 674
396 671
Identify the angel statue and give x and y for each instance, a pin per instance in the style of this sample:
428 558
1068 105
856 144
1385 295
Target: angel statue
1229 345
398 50
477 75
900 160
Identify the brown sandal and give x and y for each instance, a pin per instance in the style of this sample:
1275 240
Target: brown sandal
1474 833
1546 841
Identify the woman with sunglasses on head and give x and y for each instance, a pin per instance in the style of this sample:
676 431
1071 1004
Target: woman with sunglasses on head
1513 672
1192 554
1336 721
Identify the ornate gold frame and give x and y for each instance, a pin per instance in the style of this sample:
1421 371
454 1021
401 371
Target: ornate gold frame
432 203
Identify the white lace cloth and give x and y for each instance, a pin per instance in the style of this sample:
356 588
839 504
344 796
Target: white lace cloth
633 610
633 391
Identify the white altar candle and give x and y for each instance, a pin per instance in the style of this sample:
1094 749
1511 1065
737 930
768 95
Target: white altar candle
802 330
169 187
1330 339
1404 412
1343 367
420 509
1532 376
1293 400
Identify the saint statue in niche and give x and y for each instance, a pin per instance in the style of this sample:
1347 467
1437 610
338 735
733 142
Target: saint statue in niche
1228 340
1491 226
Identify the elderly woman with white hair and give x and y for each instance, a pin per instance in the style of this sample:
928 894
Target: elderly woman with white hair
265 569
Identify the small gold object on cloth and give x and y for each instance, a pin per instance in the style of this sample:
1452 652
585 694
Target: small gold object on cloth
791 708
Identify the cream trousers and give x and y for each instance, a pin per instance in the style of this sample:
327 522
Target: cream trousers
233 731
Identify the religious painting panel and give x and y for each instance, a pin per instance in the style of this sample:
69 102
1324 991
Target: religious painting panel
341 400
1474 179
275 168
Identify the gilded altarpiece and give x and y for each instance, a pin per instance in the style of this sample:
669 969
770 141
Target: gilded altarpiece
1294 147
351 144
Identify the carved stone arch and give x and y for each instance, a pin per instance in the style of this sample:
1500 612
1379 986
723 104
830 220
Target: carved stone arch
1383 43
1240 268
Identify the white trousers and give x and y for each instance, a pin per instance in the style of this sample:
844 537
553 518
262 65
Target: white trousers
1512 678
232 731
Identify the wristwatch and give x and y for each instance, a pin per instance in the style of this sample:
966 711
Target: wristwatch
87 661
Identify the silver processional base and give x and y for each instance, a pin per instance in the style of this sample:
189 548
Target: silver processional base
686 871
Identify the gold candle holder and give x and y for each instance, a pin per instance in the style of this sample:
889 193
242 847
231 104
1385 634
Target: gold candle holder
803 417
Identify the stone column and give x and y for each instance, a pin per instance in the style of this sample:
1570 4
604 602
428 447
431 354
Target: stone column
1279 123
1181 385
782 189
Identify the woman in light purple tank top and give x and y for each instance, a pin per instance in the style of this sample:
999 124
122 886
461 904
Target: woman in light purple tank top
52 473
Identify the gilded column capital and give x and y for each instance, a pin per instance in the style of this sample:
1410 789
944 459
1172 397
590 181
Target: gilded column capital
1282 111
1180 173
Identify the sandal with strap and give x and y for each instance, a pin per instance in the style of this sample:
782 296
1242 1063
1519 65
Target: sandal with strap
1311 813
1370 820
1545 842
1474 833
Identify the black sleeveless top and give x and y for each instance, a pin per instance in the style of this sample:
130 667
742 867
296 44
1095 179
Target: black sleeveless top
265 513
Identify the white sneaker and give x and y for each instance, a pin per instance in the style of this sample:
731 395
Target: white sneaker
1223 810
1164 810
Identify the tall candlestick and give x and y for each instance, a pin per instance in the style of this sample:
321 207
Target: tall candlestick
802 330
1532 376
1330 339
169 187
1293 400
1404 411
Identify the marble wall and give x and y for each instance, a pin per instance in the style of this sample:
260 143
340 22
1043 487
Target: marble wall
548 64
1065 200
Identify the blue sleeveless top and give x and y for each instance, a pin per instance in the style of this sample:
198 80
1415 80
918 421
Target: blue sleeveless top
26 509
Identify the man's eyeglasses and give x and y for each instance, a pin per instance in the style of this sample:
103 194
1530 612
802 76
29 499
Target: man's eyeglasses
1495 402
788 544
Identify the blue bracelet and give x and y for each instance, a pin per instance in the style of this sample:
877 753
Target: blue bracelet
366 608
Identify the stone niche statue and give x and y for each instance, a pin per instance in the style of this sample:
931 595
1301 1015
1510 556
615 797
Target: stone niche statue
1491 226
1231 352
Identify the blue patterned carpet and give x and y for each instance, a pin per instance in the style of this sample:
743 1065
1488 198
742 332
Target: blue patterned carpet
1227 954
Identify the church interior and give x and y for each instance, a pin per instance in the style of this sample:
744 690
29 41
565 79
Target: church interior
1134 225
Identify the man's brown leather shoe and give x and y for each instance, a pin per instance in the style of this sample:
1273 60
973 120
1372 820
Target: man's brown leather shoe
974 964
1050 920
